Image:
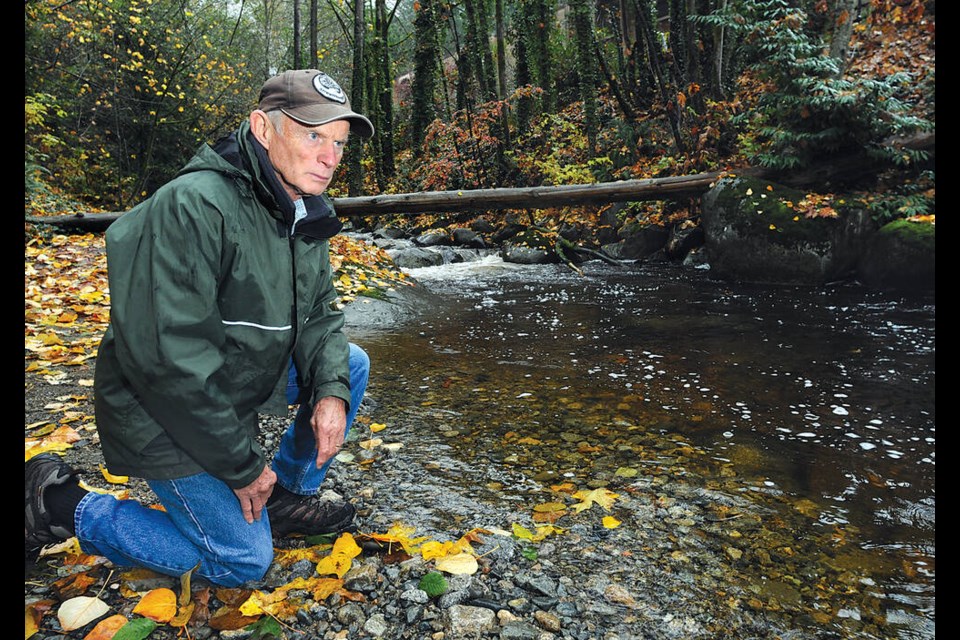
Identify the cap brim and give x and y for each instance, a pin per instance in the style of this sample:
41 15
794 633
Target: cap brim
317 114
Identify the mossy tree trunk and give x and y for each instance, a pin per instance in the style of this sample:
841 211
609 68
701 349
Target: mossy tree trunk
426 73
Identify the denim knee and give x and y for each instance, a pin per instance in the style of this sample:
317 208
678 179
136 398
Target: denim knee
359 366
250 566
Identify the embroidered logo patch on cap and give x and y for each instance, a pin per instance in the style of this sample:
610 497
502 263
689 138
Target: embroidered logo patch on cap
328 88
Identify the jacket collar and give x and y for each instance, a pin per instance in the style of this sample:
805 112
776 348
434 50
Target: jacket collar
244 151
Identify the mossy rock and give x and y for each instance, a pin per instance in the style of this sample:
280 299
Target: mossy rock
901 256
753 234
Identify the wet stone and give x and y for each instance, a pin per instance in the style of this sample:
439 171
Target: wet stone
544 602
547 620
519 630
540 584
350 614
412 614
452 598
363 578
601 609
376 625
416 596
470 621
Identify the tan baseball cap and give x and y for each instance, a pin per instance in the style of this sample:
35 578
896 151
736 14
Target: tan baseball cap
312 98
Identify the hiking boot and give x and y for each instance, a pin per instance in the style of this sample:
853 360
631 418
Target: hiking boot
41 472
309 515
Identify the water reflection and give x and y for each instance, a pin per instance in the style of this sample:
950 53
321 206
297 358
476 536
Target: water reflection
814 401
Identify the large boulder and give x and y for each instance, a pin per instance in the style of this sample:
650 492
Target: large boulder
902 256
529 247
753 234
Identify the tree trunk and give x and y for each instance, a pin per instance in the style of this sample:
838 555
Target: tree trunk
840 30
386 163
297 59
314 62
502 74
355 168
582 26
501 51
426 67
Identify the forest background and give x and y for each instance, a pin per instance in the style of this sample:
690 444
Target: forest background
486 93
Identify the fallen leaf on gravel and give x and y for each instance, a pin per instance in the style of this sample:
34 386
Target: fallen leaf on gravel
229 618
73 585
69 546
371 444
106 628
602 496
183 616
261 602
458 564
34 612
523 533
325 587
345 549
112 479
136 629
159 605
79 611
345 457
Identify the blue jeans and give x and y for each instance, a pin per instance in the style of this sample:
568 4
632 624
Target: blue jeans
203 525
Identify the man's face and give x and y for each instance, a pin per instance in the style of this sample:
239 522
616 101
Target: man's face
306 157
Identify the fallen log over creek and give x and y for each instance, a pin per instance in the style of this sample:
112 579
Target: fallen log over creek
543 197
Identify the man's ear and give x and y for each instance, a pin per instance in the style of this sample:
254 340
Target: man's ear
261 127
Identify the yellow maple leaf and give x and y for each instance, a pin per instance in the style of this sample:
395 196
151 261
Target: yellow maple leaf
602 496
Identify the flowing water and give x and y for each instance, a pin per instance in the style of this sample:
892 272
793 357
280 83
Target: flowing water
815 404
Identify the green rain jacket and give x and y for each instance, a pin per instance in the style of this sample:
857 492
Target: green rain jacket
210 295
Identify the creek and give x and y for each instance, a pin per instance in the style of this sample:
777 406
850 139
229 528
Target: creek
804 418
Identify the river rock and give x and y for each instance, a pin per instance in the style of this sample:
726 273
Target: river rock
470 622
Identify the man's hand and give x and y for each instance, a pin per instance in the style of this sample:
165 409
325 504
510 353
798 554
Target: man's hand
329 422
253 497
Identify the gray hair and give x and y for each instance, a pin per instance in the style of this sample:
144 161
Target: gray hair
276 119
